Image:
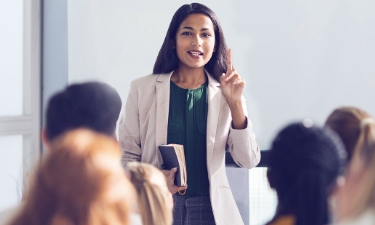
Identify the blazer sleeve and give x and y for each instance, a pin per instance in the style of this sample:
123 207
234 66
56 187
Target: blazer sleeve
242 144
129 129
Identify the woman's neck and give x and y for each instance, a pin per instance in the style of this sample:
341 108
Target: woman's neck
189 78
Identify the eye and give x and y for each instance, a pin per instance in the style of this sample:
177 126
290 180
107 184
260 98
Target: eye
206 35
186 33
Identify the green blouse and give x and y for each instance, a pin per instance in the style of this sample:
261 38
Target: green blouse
187 124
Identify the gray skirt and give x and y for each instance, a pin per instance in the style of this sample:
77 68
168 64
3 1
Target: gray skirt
192 211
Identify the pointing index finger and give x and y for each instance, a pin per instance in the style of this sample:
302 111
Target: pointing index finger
229 60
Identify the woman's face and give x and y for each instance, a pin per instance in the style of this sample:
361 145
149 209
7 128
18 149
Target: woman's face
195 41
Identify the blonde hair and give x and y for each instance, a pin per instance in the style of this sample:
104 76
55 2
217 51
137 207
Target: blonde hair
73 184
357 130
366 197
152 192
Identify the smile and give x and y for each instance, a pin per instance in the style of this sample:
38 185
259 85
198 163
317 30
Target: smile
195 53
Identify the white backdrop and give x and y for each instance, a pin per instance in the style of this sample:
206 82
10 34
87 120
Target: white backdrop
299 58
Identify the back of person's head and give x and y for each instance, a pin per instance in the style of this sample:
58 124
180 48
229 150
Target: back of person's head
355 127
155 201
357 130
91 105
305 162
81 181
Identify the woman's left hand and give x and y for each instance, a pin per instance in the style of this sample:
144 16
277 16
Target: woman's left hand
231 83
232 86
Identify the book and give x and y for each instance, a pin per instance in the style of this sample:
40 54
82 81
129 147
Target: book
174 156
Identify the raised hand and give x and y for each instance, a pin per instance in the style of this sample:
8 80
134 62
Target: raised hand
232 86
231 83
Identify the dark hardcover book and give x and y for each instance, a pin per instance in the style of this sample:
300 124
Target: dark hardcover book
174 156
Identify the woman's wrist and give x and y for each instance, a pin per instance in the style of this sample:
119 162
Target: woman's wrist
239 120
235 104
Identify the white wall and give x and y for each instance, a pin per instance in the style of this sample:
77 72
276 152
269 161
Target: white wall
299 58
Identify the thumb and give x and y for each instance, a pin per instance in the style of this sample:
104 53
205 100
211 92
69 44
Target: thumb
173 173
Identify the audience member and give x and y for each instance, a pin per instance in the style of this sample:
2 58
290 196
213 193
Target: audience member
92 105
355 201
305 162
353 127
155 200
81 181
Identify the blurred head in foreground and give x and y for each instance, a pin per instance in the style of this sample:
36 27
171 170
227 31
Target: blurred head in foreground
155 201
80 182
305 162
355 127
92 105
357 130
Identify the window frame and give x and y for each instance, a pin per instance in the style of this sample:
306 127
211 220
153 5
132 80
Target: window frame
29 123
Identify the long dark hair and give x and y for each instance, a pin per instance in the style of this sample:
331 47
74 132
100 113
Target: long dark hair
304 164
167 59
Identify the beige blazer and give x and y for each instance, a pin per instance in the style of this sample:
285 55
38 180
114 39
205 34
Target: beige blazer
143 127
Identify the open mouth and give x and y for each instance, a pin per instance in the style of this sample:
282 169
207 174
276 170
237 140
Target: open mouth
195 53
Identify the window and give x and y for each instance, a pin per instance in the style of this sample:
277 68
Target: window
19 96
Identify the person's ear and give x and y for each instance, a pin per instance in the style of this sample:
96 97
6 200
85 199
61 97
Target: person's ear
340 182
270 179
45 139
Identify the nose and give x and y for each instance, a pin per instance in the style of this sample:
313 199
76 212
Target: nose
197 40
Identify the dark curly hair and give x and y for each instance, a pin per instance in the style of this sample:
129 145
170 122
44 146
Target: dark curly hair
304 164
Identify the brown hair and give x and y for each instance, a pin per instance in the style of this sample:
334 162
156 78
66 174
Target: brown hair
152 192
355 128
75 184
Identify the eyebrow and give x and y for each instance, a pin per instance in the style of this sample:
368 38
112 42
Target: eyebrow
190 28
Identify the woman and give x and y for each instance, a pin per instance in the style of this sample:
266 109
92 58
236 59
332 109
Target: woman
194 98
80 182
305 162
355 200
154 199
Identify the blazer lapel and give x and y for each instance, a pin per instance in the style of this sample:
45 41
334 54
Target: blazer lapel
162 111
214 100
162 108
